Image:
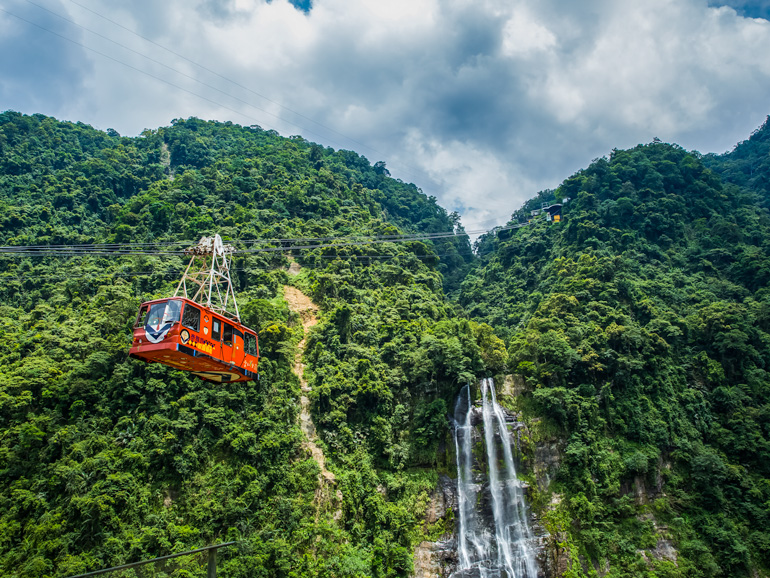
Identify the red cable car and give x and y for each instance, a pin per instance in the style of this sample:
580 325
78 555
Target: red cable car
203 333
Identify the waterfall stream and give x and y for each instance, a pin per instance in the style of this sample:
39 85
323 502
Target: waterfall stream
494 537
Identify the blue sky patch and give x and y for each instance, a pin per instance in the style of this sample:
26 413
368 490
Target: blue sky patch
754 9
304 5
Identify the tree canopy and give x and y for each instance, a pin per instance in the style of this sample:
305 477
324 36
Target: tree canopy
638 328
640 325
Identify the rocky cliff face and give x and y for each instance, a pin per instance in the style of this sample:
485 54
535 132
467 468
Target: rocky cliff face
545 453
541 459
438 559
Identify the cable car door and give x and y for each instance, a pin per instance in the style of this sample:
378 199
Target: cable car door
228 343
238 347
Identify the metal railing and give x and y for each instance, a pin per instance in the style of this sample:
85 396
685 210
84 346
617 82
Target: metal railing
212 561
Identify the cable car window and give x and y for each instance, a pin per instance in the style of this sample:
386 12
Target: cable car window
250 344
191 317
162 313
216 329
227 336
142 316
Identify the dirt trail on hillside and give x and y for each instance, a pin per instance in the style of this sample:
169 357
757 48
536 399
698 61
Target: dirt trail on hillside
308 312
165 160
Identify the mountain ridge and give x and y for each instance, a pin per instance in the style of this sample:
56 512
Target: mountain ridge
634 323
636 329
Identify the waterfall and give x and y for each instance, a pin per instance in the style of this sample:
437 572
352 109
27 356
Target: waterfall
472 542
497 545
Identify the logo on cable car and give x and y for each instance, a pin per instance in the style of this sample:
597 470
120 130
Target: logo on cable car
156 335
202 344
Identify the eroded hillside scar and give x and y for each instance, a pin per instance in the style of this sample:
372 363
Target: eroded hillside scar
307 310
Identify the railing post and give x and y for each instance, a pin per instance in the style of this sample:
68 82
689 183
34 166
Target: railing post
212 563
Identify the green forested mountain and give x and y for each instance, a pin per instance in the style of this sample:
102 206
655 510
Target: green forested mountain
748 164
639 328
104 459
641 325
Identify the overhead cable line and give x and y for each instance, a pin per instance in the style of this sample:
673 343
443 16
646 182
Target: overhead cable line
310 257
126 64
176 272
359 236
194 79
127 249
233 82
266 240
329 245
171 68
214 102
241 113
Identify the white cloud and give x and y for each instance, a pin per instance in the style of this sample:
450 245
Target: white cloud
40 68
482 184
523 35
479 103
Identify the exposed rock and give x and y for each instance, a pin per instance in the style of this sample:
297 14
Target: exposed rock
553 560
294 267
435 559
603 568
438 559
640 490
513 385
547 462
664 550
477 416
165 160
444 497
169 496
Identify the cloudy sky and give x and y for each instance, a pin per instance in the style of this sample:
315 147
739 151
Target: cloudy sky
481 103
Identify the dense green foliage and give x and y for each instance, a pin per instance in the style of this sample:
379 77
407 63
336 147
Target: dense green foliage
105 460
641 325
748 164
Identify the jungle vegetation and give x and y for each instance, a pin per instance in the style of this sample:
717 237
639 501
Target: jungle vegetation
640 326
105 460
